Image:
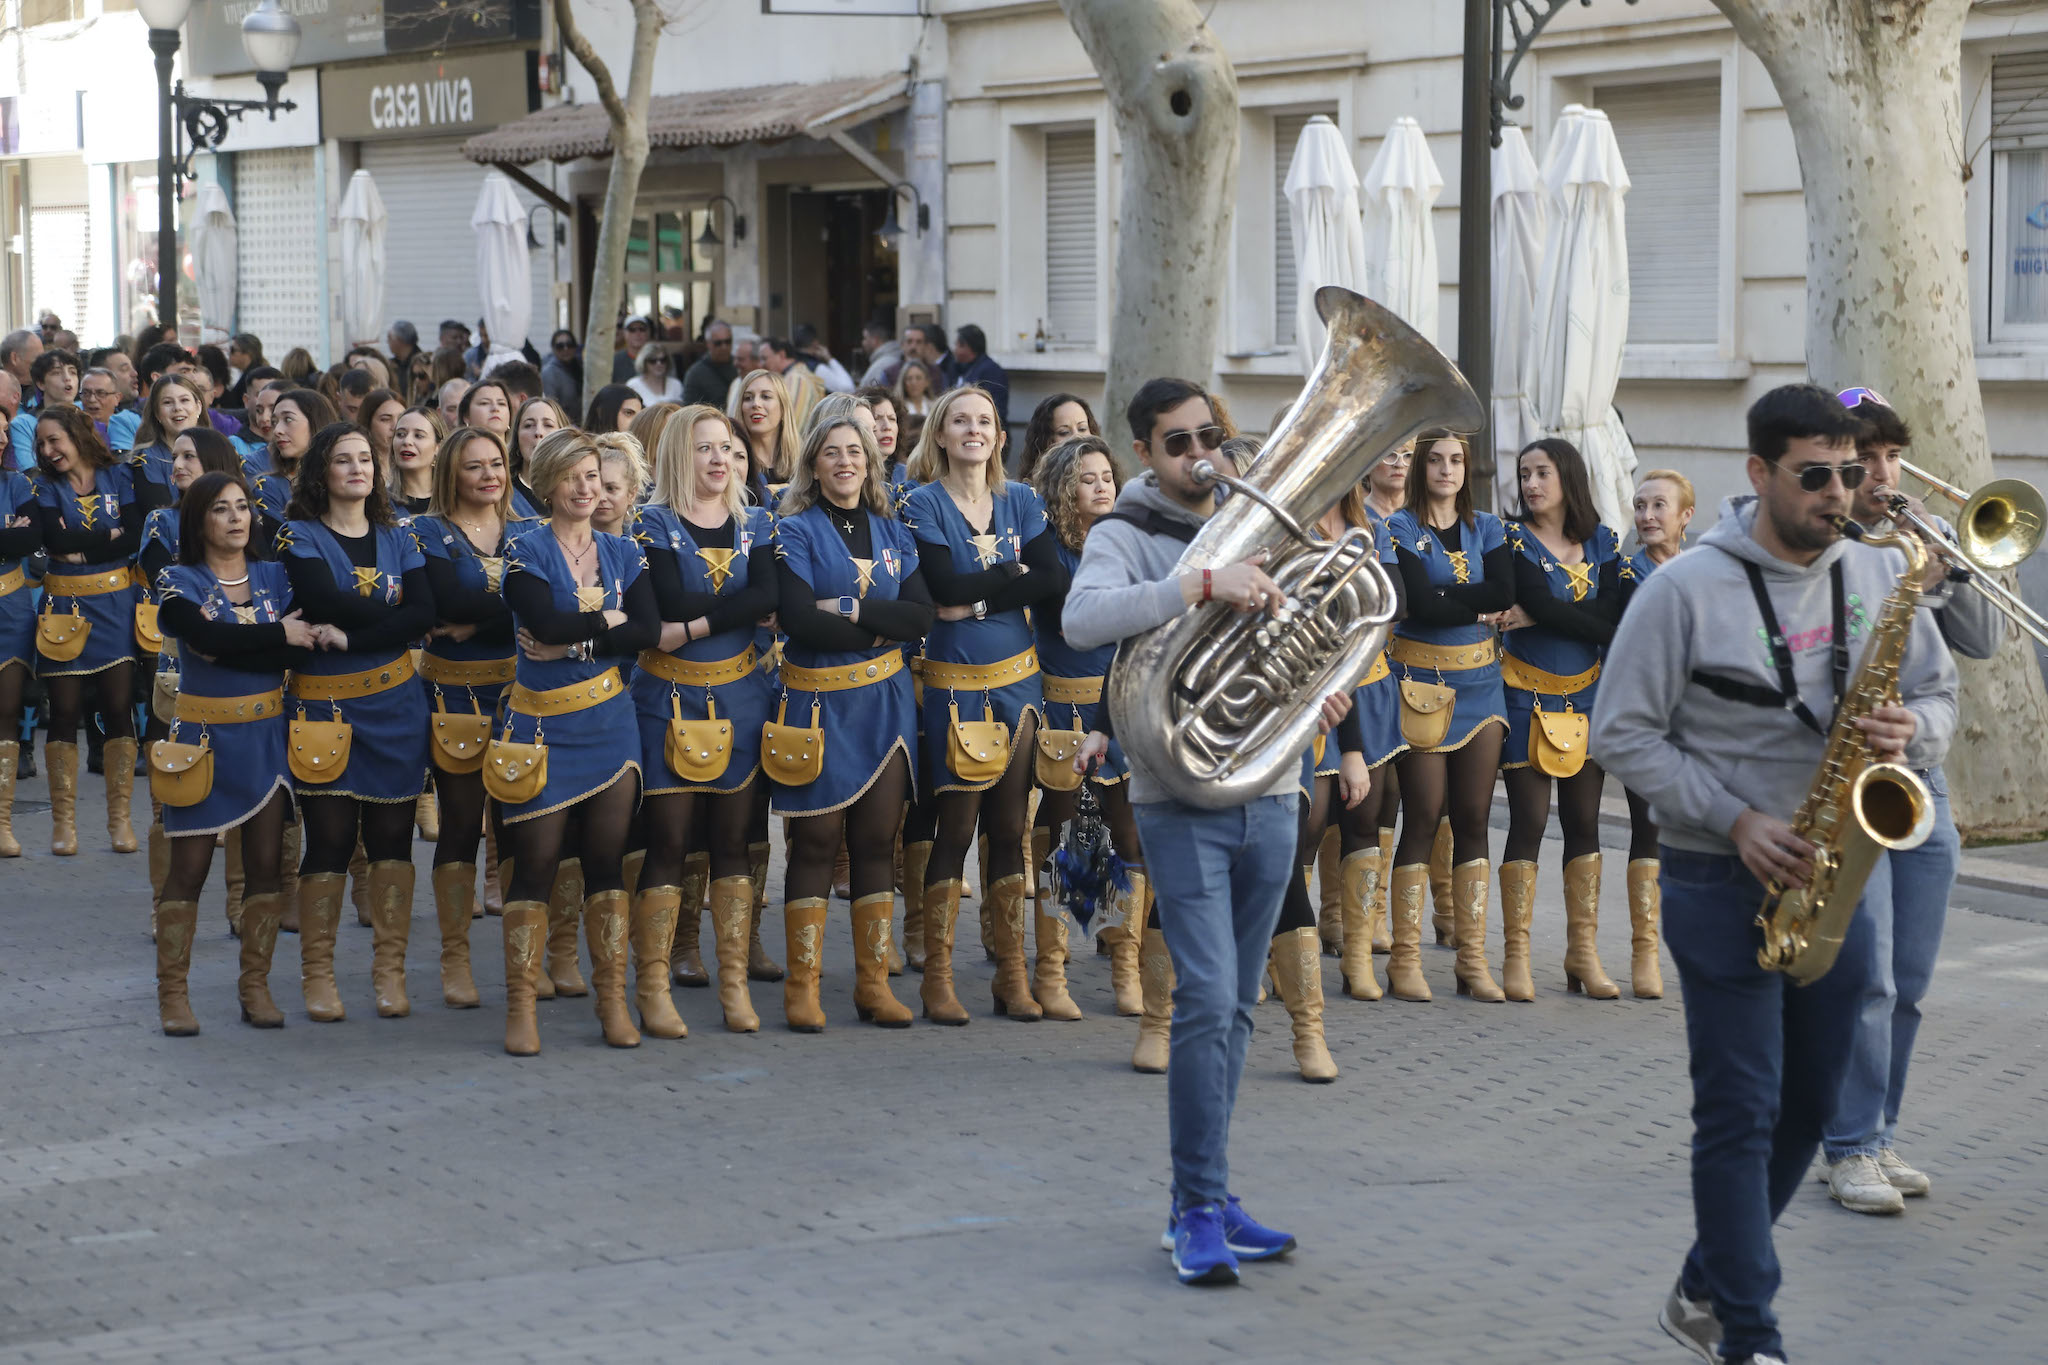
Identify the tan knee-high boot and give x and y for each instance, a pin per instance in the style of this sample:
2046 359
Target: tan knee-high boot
1359 879
941 914
237 875
426 813
494 884
653 932
1404 963
1382 941
1049 930
1155 1027
1330 922
1645 908
732 911
1012 985
687 961
760 966
803 932
872 998
1582 969
606 924
1445 916
454 906
61 759
1470 884
359 884
526 937
176 923
319 921
391 888
565 906
119 761
1517 910
1126 946
917 856
259 939
288 878
1298 972
10 762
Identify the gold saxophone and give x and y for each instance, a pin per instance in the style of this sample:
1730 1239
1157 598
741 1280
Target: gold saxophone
1858 807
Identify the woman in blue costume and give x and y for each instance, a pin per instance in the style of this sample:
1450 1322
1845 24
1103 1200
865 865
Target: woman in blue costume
92 512
176 403
361 580
416 437
1455 571
712 558
766 422
467 663
21 536
238 631
1570 581
535 420
584 608
849 593
988 554
295 417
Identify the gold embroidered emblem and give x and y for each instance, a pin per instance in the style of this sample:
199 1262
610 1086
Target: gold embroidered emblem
718 564
366 582
1581 577
986 549
88 510
866 569
1461 568
590 599
807 945
245 616
494 572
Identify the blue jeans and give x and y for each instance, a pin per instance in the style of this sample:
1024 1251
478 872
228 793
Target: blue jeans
1218 876
1767 1061
1906 901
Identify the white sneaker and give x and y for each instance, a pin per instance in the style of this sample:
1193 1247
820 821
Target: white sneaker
1856 1183
1903 1178
1692 1324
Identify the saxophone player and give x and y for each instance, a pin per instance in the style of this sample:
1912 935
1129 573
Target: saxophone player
1718 695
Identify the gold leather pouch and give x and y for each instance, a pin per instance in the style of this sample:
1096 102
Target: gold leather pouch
1053 765
181 774
61 638
516 773
317 750
697 750
1557 742
1426 712
459 740
149 636
976 750
793 755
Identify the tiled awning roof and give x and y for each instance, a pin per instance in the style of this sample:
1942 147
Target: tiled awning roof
699 118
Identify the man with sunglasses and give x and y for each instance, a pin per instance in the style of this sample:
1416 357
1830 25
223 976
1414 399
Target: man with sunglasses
561 377
712 376
1715 702
1218 875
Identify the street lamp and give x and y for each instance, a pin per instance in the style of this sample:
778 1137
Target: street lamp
708 239
271 38
891 230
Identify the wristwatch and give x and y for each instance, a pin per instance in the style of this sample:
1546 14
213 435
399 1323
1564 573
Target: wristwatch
846 607
981 611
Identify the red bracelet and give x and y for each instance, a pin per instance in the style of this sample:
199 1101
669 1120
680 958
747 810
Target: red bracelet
1205 585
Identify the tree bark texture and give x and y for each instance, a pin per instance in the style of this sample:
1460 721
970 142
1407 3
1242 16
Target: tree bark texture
1173 95
1872 91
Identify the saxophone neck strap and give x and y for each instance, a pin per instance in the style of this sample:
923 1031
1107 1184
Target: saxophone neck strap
1787 696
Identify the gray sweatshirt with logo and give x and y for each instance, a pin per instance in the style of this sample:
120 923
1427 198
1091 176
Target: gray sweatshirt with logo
1702 759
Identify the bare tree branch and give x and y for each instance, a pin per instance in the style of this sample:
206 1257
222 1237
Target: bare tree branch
600 74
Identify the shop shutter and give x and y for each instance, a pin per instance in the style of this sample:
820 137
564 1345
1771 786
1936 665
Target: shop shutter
1670 138
1286 133
1071 275
57 243
2019 101
278 241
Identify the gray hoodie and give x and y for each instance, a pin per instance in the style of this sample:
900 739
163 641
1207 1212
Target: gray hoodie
1702 759
1124 585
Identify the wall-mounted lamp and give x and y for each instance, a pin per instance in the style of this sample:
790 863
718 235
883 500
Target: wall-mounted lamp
891 231
709 239
534 241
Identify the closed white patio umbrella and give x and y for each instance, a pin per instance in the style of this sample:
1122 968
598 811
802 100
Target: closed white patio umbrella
1582 306
1329 238
213 262
1401 187
1519 216
362 219
504 273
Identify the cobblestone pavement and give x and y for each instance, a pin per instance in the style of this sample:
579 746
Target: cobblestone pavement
1484 1183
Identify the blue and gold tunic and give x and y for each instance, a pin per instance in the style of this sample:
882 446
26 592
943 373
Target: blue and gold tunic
249 755
1377 702
160 551
1546 669
1465 658
17 598
271 491
1073 680
102 589
466 677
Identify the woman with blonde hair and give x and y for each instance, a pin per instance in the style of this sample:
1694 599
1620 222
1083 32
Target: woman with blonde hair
624 474
918 386
766 422
417 435
647 429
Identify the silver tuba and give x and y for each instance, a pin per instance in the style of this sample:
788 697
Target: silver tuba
1216 703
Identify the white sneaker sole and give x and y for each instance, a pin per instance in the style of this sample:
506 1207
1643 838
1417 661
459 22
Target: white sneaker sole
1678 1334
1875 1207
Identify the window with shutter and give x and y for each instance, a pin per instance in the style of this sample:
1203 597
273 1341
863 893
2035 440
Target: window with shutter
2019 217
1071 292
1670 139
1286 133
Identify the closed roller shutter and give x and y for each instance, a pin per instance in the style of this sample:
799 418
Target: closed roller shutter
58 224
1670 139
1071 292
2019 101
1286 285
278 242
429 190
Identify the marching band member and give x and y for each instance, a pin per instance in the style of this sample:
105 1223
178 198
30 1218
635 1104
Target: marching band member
359 745
92 509
294 418
767 425
238 632
1570 581
584 606
1455 569
487 404
176 403
537 417
416 437
21 536
988 554
849 593
623 471
1056 420
712 559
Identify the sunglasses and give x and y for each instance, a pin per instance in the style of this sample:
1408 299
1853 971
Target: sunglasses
1179 443
1815 477
1850 398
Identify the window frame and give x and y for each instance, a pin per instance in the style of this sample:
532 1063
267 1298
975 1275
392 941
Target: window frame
1023 273
2018 352
1248 339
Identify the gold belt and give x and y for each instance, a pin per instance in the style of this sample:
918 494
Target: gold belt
797 678
11 581
229 710
690 673
1449 658
560 701
1517 673
88 584
467 672
341 686
1072 691
1376 671
979 677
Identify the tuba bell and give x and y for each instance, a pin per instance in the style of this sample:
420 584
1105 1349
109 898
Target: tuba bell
1215 703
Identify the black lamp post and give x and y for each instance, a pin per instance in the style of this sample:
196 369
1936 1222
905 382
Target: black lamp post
271 38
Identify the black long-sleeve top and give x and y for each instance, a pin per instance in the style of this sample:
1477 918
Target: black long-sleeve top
532 599
19 542
1592 620
372 625
96 545
457 602
722 611
1456 604
247 648
1004 587
909 617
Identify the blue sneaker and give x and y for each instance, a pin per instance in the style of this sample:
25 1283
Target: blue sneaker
1200 1254
1247 1238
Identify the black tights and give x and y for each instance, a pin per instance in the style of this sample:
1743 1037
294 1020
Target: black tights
13 682
671 819
595 827
1460 783
1642 831
1001 811
463 807
115 689
1578 812
867 827
262 852
331 832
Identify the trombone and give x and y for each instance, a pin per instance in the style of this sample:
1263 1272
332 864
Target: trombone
1999 525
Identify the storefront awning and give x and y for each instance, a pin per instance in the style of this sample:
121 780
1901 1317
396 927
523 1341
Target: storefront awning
700 118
